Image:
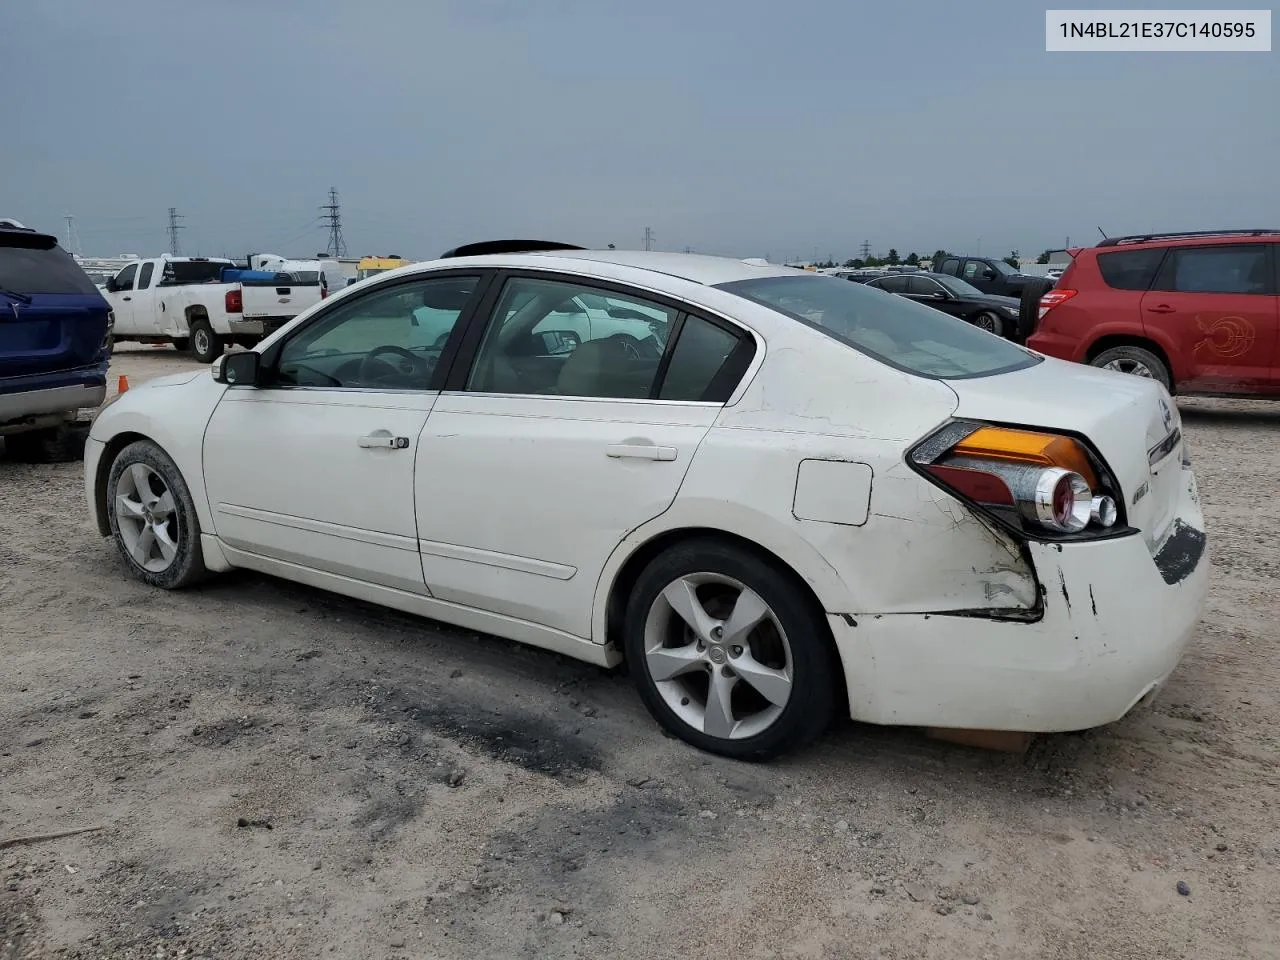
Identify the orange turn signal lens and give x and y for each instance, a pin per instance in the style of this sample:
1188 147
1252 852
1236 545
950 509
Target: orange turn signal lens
1026 446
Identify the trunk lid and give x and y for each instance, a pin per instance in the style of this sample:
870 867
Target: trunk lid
1132 422
52 317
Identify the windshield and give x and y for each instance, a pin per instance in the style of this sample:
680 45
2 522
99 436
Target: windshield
1004 268
957 286
895 331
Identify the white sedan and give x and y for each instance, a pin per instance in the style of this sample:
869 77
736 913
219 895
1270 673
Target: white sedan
775 495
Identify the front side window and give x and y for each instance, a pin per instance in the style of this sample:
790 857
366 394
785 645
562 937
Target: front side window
973 269
388 339
901 333
923 287
559 338
125 278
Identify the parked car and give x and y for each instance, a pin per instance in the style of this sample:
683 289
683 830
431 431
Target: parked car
998 315
806 497
203 304
1199 312
55 344
988 274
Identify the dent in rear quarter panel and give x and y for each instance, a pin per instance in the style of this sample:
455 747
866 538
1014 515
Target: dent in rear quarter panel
919 550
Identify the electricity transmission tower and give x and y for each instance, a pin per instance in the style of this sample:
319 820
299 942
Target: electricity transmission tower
73 238
648 238
333 217
866 250
174 227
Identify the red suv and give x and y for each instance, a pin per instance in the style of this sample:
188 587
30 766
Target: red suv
1198 311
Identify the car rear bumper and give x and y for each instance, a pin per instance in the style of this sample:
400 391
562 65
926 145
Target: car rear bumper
18 404
1056 345
241 328
1116 622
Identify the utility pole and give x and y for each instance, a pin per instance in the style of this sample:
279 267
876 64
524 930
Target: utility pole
73 239
333 217
648 238
174 227
866 250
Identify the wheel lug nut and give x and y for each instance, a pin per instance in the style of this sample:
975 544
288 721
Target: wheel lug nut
717 633
736 651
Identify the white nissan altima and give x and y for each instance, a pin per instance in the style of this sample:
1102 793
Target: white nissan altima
774 494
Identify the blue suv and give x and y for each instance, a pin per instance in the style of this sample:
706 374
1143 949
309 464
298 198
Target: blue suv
55 344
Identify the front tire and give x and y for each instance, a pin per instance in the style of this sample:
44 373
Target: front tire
153 518
205 344
728 652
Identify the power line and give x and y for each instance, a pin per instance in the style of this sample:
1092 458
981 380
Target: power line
333 217
174 227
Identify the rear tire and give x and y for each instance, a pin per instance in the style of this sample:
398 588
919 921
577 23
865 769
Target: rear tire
989 322
182 344
206 345
1135 361
153 519
776 677
60 444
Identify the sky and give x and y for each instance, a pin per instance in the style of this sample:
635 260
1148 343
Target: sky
792 129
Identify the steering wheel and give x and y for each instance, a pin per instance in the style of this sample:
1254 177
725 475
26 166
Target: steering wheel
632 346
413 365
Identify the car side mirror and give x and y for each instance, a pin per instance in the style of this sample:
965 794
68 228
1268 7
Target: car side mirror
988 274
240 369
553 342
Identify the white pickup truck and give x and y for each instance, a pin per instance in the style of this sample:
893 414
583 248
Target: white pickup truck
203 304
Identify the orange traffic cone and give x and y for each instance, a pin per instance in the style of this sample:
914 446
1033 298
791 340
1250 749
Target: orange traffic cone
122 384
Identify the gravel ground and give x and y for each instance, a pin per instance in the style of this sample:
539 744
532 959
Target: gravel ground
278 772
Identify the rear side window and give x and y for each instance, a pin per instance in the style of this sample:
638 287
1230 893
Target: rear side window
33 263
1241 268
144 281
1130 269
901 333
701 367
951 267
892 284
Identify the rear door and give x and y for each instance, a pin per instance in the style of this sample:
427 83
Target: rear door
52 317
145 306
544 452
1216 305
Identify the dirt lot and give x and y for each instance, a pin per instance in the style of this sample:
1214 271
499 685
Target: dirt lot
282 773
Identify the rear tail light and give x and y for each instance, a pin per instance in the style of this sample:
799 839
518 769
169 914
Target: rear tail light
1038 484
234 301
1055 298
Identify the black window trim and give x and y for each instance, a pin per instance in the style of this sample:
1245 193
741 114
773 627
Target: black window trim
736 367
1160 285
444 366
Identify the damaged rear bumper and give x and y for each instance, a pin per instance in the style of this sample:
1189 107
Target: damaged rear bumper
1116 621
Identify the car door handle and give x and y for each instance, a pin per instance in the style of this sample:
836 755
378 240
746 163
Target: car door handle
128 298
380 442
1161 308
640 451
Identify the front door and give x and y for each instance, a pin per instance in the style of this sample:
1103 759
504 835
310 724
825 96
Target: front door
553 449
317 467
1217 306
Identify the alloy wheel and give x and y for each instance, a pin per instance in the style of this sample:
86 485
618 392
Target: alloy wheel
147 518
718 656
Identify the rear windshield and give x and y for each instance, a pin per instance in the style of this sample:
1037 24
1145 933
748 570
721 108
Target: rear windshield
34 263
192 271
896 331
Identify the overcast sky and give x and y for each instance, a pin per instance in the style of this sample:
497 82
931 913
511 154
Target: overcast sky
785 128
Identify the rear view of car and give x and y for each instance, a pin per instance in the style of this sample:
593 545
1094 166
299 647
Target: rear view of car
55 344
1198 312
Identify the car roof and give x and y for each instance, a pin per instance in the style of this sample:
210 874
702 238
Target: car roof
1189 239
694 267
